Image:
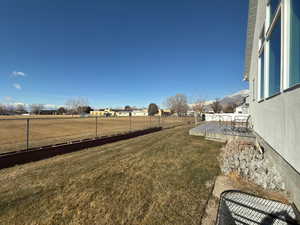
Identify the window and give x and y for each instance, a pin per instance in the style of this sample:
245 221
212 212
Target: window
279 49
273 7
253 90
269 66
261 65
294 75
275 58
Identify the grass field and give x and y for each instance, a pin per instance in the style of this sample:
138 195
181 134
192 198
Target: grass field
160 178
65 128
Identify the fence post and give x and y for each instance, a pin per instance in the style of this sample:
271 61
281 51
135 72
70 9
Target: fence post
27 134
130 123
159 121
96 126
150 121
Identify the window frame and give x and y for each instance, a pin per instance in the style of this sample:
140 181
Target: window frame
286 43
264 48
269 8
278 17
261 51
272 21
287 36
253 90
282 12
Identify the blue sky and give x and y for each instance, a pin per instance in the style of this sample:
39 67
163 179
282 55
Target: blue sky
117 52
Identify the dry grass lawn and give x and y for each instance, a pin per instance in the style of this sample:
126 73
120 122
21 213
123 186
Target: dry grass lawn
47 132
160 178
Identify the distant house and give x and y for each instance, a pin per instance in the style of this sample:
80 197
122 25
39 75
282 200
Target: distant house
143 112
122 113
164 112
273 72
103 112
244 108
48 112
208 109
190 113
108 112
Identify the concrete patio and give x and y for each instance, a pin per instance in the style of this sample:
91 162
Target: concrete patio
222 132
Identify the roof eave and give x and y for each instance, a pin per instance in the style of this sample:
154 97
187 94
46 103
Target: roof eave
250 36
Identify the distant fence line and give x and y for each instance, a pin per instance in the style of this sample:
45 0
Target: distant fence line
226 117
33 132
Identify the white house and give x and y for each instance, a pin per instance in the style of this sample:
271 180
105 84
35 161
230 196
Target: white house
272 69
244 108
140 112
122 113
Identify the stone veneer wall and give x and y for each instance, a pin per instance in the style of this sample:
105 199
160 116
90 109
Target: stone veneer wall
245 159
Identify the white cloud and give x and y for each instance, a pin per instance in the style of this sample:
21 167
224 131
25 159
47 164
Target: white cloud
17 86
18 74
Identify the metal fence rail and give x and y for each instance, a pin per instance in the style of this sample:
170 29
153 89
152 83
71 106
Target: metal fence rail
25 133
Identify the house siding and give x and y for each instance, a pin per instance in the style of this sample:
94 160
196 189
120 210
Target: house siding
276 120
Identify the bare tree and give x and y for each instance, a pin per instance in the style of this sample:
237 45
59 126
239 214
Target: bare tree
199 105
216 106
61 111
77 105
36 108
7 109
178 104
3 110
229 107
84 109
20 109
198 108
10 109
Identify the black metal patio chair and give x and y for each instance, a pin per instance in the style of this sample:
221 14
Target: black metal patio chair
240 124
239 208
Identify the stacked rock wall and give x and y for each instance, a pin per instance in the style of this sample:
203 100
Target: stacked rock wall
246 160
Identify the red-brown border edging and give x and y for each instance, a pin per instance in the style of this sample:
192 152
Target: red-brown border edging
35 154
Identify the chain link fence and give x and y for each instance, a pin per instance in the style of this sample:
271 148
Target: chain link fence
26 133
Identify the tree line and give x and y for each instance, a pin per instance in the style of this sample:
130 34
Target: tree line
177 104
72 106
